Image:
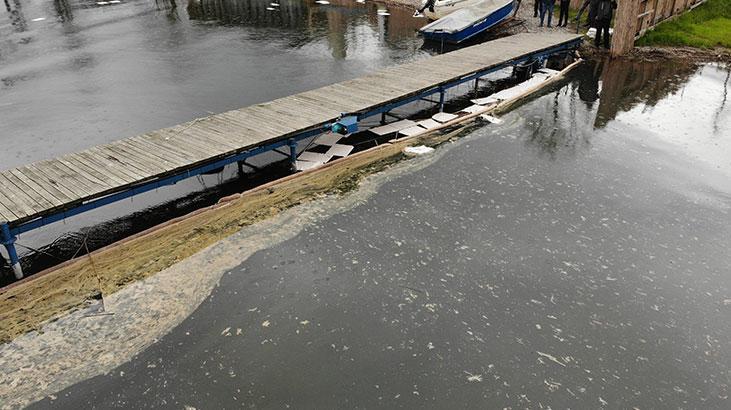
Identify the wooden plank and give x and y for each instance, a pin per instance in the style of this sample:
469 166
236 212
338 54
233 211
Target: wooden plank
183 142
71 176
49 183
7 215
61 177
259 131
91 169
89 174
162 140
52 199
224 135
270 115
265 130
95 160
41 202
148 156
144 143
118 164
145 167
19 203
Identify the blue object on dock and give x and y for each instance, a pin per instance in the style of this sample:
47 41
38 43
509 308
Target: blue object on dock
465 23
347 124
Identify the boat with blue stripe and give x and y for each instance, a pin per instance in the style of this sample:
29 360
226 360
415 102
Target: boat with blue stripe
467 22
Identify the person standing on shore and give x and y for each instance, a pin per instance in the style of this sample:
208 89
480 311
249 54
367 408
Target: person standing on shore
564 13
547 7
591 4
536 7
602 20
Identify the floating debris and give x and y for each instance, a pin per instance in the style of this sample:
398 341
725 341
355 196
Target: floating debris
418 150
383 13
473 377
551 358
226 331
39 19
271 8
491 119
322 2
266 323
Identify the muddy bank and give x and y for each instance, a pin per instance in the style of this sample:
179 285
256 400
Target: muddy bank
649 54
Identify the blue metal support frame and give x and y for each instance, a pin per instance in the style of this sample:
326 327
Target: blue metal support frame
8 240
292 152
10 232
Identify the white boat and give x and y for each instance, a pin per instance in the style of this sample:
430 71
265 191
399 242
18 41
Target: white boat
436 9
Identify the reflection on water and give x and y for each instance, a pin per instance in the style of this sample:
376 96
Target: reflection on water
682 102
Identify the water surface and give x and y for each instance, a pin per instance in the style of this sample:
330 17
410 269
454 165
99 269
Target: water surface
574 256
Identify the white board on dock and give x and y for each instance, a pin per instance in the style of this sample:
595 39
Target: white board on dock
411 131
443 117
428 123
393 127
314 157
328 139
340 150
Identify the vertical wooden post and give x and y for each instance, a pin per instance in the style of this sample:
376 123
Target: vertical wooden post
625 27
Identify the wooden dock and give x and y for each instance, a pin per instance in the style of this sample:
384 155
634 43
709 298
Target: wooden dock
30 194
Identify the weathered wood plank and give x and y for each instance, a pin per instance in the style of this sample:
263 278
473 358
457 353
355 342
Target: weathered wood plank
49 183
19 202
144 143
115 163
56 178
95 160
51 199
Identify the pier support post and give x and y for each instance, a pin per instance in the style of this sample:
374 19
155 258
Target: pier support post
8 240
240 165
383 118
293 153
441 100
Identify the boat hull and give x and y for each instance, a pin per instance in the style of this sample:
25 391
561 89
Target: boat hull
491 20
443 8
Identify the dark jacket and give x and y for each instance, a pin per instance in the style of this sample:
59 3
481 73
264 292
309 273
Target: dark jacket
605 9
592 5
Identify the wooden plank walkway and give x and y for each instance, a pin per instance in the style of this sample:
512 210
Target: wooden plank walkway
46 187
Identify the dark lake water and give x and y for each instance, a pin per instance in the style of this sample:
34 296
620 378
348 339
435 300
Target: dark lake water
574 256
